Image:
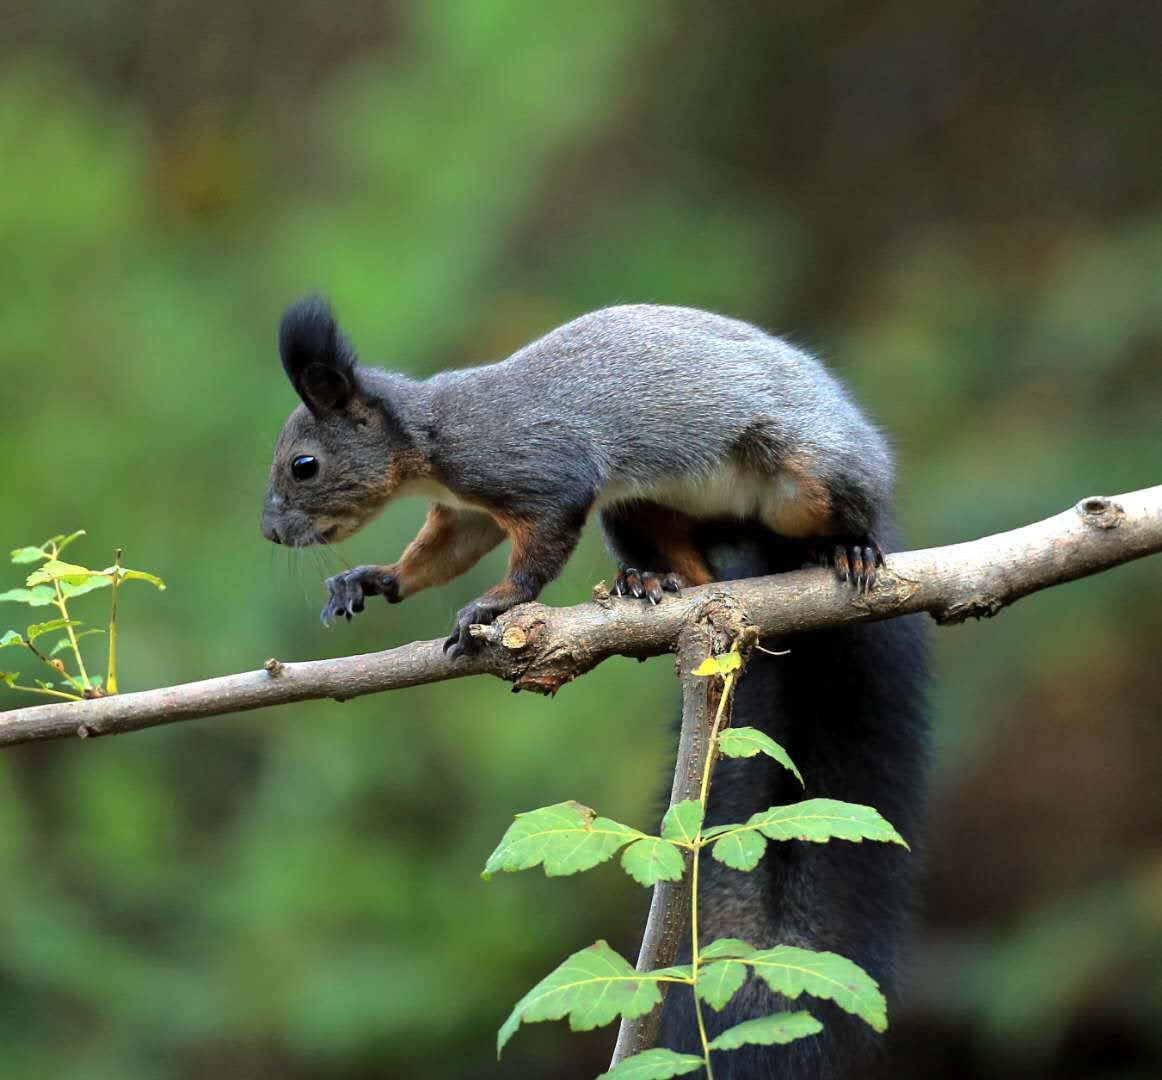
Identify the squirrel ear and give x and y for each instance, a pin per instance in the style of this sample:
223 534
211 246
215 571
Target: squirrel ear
317 358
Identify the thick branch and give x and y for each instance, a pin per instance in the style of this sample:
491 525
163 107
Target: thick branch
540 648
670 903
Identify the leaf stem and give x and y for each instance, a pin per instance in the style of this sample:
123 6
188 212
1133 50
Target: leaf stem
111 673
61 604
727 687
50 693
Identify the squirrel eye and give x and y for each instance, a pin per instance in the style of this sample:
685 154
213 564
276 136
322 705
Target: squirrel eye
303 468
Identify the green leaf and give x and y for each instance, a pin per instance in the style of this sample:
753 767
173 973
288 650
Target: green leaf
64 642
792 971
656 1064
723 664
565 838
745 742
27 555
718 983
8 678
682 821
69 591
725 947
740 850
651 860
39 629
55 570
135 575
678 971
592 987
782 1027
41 596
819 820
11 637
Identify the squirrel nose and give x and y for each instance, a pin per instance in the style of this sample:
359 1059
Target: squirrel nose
271 533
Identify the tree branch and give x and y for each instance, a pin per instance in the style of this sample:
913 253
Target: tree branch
540 648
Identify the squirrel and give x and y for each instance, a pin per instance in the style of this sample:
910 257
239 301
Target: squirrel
710 450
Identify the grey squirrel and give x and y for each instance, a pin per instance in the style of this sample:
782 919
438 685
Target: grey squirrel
710 450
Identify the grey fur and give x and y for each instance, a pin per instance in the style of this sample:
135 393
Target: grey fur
631 401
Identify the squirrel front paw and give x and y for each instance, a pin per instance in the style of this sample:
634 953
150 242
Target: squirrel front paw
349 589
480 612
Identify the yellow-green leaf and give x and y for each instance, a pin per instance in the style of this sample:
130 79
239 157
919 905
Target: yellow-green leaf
722 664
781 1028
745 742
682 821
592 987
740 850
564 838
651 859
41 596
792 971
655 1064
718 983
55 570
725 947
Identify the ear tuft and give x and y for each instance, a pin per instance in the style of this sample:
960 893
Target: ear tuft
318 360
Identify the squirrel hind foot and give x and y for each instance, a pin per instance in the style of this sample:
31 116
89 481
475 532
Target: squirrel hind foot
645 584
855 561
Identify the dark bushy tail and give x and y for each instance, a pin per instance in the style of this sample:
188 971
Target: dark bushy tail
848 705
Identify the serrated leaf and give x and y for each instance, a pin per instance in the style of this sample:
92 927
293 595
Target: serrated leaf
778 1028
682 821
592 987
64 642
718 983
40 629
726 947
41 596
656 1064
745 742
678 971
722 664
135 575
69 591
819 820
740 850
8 678
792 971
10 638
564 838
651 860
27 555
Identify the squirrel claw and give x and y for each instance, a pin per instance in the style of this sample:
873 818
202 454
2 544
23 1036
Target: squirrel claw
349 589
855 564
645 584
460 641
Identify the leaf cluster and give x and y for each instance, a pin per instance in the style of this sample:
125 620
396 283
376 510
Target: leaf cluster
596 985
54 583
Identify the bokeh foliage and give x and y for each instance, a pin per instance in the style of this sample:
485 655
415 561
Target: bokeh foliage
959 206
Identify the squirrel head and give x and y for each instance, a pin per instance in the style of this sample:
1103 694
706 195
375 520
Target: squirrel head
343 453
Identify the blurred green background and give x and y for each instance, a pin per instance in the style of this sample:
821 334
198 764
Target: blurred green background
959 205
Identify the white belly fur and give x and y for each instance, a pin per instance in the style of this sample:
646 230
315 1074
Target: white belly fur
730 491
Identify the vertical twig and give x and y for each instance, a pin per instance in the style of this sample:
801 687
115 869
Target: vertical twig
669 909
111 671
